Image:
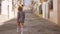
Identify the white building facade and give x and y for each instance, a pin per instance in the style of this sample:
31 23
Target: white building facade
9 8
6 8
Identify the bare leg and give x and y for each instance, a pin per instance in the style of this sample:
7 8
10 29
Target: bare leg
18 25
21 25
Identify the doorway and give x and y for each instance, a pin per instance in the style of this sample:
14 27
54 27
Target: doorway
40 8
50 9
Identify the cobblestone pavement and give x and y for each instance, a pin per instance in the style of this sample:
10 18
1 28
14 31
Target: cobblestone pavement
33 25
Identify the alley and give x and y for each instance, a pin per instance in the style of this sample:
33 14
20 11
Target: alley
33 25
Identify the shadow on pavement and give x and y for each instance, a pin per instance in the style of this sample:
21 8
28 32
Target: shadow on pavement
8 25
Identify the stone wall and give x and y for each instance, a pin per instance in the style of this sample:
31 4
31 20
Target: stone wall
55 11
59 12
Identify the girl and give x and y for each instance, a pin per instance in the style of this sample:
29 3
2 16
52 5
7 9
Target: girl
20 18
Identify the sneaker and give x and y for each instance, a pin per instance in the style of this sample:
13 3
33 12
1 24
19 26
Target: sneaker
21 30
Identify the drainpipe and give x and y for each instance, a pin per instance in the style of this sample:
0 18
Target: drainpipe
8 9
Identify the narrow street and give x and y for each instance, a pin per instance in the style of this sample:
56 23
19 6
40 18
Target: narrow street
33 25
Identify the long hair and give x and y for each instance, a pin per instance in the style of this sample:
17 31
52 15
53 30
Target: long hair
20 8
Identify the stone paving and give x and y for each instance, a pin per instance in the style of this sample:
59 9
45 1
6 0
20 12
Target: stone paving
33 25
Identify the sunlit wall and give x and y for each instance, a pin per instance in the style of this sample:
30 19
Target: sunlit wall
6 8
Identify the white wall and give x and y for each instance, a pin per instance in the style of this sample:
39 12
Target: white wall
11 13
45 10
7 10
55 11
4 7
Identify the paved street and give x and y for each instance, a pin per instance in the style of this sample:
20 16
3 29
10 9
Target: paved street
33 25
